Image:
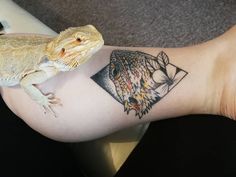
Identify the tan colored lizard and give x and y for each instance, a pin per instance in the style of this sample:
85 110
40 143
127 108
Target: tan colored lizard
29 59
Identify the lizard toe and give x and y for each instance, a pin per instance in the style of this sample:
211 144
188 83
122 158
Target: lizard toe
48 108
52 100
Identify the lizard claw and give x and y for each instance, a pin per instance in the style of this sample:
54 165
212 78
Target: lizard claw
49 109
49 101
53 100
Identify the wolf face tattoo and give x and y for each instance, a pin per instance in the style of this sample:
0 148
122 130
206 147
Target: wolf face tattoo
138 80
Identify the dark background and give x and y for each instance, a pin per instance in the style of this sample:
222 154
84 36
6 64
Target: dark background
198 145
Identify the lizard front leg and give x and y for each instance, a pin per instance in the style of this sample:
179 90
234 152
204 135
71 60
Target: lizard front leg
27 83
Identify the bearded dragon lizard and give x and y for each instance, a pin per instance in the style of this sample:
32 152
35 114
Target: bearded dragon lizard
29 59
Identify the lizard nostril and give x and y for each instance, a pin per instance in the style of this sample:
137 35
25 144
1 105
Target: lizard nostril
62 51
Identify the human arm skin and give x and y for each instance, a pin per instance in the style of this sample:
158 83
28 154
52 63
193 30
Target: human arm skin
89 112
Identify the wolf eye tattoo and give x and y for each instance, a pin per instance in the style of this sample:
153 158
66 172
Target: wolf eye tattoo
138 80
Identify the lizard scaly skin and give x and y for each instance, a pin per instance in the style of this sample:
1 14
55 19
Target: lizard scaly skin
29 59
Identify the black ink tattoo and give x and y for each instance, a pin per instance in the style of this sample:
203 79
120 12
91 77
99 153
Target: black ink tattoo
138 80
1 28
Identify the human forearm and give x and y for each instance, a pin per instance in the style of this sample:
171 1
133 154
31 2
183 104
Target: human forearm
187 96
89 111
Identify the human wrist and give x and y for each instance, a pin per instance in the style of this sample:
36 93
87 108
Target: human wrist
220 91
197 93
224 78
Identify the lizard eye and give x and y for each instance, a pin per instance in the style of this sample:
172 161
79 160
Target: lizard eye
115 71
78 39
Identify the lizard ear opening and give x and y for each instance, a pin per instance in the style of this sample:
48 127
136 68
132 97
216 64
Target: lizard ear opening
49 51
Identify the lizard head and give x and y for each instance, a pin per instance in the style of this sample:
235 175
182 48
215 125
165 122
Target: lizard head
74 46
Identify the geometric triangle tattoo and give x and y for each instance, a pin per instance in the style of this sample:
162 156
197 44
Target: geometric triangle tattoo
138 80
